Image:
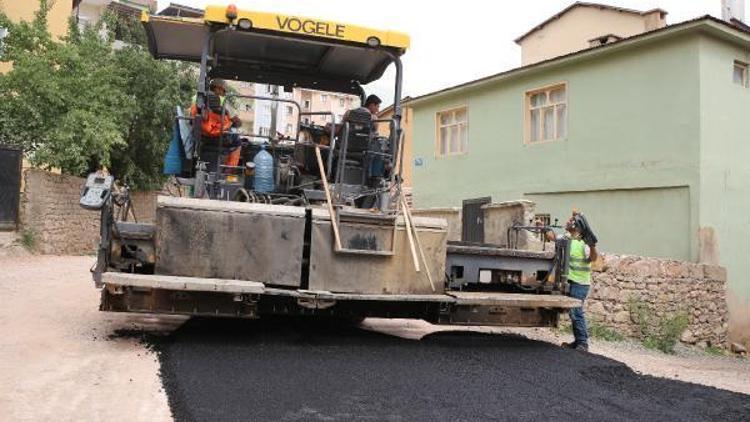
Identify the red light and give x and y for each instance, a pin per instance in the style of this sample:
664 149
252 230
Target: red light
231 12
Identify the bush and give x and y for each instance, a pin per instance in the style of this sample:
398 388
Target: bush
714 351
657 333
599 331
28 239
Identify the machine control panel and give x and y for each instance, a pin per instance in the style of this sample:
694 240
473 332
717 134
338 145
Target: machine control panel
96 191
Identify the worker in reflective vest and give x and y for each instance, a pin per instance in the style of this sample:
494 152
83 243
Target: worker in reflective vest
579 278
214 124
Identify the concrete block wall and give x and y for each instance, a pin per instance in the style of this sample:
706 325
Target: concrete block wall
499 217
452 216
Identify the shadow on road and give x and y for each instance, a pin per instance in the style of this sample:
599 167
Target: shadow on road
299 369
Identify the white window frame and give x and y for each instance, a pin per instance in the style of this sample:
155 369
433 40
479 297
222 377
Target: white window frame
342 102
745 69
323 98
463 146
289 110
528 108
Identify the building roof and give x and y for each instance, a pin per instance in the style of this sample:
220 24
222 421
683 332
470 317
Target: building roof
706 23
390 107
175 9
587 4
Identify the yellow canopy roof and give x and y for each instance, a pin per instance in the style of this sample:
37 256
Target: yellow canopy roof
277 49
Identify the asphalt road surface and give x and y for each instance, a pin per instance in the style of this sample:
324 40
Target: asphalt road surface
297 370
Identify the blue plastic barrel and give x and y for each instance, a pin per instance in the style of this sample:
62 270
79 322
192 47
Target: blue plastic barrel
263 179
175 154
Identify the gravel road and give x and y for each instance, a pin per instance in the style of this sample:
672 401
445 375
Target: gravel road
60 358
295 370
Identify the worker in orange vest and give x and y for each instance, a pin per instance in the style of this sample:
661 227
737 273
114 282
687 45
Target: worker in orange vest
213 125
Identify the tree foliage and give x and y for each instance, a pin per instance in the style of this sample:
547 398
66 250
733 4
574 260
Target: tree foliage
79 103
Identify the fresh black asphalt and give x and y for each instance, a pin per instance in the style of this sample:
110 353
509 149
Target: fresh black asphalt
299 370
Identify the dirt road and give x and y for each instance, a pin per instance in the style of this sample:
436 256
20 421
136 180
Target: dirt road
57 360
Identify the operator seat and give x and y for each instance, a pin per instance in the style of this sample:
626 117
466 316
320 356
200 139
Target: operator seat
358 143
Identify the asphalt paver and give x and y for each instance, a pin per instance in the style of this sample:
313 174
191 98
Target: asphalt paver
283 369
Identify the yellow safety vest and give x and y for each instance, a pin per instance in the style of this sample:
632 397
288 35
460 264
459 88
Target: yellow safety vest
579 268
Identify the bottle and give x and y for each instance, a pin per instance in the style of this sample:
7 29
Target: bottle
263 179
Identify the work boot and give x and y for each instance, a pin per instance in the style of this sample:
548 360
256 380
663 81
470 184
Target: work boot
582 347
572 345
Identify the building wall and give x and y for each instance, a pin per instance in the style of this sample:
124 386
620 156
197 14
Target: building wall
573 30
18 10
725 174
622 149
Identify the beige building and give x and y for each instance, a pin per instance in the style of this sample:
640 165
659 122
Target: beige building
584 25
309 100
23 10
244 108
321 101
90 11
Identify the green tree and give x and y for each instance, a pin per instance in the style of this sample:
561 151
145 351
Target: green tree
78 103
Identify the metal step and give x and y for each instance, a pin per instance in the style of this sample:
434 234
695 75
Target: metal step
177 283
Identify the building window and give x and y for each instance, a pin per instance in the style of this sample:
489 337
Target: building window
341 102
452 133
323 98
740 75
547 114
289 110
306 105
289 129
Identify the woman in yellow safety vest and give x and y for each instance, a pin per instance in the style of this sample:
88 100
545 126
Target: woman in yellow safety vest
579 278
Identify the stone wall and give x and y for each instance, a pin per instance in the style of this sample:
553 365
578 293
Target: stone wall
666 287
50 210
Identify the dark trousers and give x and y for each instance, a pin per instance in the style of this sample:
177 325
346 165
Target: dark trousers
578 315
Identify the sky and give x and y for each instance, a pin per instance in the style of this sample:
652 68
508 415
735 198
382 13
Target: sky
451 45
